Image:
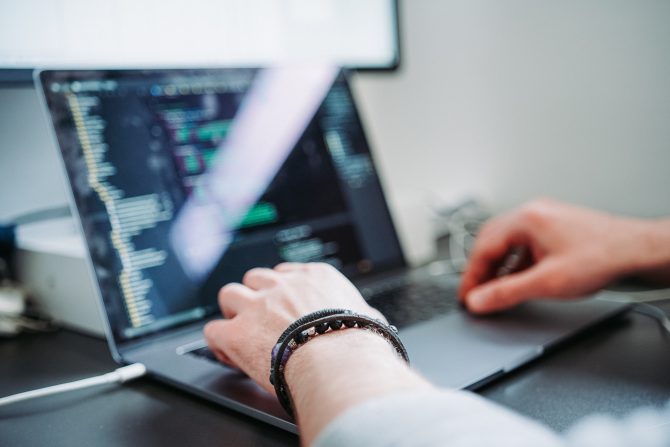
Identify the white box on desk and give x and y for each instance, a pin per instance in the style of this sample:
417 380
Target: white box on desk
51 262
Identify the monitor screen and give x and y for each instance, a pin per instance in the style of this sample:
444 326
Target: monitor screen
195 33
185 179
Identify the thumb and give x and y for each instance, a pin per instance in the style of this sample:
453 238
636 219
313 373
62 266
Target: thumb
508 291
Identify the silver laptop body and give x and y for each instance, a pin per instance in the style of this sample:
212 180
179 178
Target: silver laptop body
184 179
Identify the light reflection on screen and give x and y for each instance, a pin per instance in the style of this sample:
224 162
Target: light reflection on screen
272 117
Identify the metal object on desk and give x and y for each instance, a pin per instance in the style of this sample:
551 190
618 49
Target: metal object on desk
13 307
12 302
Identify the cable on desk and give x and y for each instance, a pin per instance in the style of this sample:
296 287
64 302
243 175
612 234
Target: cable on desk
653 312
120 375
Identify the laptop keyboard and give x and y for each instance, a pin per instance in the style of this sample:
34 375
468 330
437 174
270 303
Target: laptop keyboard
405 303
402 303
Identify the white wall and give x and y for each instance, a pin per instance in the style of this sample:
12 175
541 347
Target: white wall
508 100
31 176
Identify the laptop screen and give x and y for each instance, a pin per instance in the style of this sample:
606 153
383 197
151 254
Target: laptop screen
185 179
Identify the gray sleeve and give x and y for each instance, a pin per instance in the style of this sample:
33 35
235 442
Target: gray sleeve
645 427
430 418
459 418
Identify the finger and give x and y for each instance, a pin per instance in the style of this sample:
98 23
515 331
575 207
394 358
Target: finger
290 267
215 333
260 278
508 291
233 298
493 243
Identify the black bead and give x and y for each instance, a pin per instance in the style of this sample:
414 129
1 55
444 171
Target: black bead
335 325
272 380
301 337
350 323
321 328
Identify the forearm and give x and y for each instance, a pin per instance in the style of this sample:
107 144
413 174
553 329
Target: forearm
649 258
337 371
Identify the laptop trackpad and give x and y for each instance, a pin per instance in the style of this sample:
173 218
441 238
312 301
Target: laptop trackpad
459 350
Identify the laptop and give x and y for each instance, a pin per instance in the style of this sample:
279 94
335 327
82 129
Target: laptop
185 179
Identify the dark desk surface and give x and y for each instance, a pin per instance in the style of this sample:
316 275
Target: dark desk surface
613 368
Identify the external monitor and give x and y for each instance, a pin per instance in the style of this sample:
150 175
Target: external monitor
360 34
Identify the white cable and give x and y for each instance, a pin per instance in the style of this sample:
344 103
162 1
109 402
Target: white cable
655 313
119 375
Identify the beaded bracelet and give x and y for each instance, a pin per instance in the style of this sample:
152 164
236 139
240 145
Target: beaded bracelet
315 324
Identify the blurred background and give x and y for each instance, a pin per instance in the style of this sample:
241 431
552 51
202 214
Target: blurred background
510 100
498 101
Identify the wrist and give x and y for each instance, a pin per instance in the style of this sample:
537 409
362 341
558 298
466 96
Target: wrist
338 370
336 346
647 246
315 324
332 357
